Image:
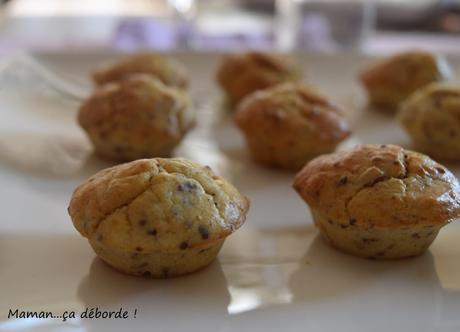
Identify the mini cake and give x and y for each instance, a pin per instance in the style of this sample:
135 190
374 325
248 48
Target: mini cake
166 69
138 117
241 74
431 117
289 124
379 201
157 217
390 81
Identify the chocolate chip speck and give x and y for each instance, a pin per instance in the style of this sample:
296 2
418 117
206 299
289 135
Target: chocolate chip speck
342 181
368 240
187 187
139 249
441 170
183 245
152 232
352 221
204 232
142 222
415 236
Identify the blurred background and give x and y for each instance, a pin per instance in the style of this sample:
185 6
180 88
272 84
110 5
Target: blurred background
380 26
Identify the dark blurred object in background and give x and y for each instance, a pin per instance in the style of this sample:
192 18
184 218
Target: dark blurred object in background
423 15
325 25
438 16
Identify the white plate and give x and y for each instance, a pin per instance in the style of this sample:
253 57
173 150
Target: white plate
274 274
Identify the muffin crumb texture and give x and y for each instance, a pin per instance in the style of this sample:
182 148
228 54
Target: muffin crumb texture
162 217
379 201
287 125
431 118
138 117
390 81
239 75
169 71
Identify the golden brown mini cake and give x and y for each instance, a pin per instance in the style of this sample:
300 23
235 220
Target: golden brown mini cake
390 81
138 117
166 69
241 74
379 201
289 124
157 217
431 117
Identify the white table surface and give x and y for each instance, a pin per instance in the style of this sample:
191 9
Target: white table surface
274 274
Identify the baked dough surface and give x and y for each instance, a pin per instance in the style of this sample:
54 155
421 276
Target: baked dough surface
157 205
380 186
138 117
390 81
169 71
431 117
241 74
289 124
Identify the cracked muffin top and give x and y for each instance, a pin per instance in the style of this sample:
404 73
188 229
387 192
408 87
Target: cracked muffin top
381 186
139 96
242 74
391 80
136 118
167 70
431 116
294 111
403 67
157 205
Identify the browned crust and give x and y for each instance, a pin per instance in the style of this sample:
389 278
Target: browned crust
289 124
110 204
166 69
138 117
380 186
242 74
431 117
391 80
292 106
